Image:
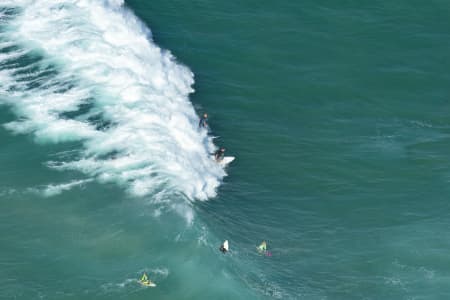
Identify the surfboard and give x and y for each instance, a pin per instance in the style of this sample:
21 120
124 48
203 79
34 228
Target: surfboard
225 245
147 283
225 161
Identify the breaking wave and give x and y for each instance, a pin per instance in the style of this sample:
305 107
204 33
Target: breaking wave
88 72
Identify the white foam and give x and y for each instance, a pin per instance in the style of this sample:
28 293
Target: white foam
185 211
162 272
133 86
56 189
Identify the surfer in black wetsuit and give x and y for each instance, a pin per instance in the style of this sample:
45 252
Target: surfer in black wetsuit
203 121
224 247
219 154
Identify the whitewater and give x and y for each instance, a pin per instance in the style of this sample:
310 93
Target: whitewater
88 72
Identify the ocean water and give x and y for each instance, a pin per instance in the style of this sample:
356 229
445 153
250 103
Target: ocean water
337 114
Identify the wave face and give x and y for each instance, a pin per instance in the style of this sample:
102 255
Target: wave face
88 72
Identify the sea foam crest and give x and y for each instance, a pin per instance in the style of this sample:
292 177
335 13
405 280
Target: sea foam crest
88 71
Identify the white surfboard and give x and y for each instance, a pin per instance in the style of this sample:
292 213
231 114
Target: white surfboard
226 160
147 283
225 245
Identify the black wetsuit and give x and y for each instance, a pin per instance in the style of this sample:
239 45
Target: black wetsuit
219 155
203 122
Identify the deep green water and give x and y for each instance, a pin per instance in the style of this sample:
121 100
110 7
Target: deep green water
338 114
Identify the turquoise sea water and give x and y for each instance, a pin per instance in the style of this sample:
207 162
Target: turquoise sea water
337 114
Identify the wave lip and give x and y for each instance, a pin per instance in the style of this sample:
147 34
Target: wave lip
96 77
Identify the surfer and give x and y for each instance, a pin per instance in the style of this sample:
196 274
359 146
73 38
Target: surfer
224 247
219 154
144 278
263 247
203 121
145 281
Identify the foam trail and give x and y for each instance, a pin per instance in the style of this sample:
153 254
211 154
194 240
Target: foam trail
56 189
88 71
